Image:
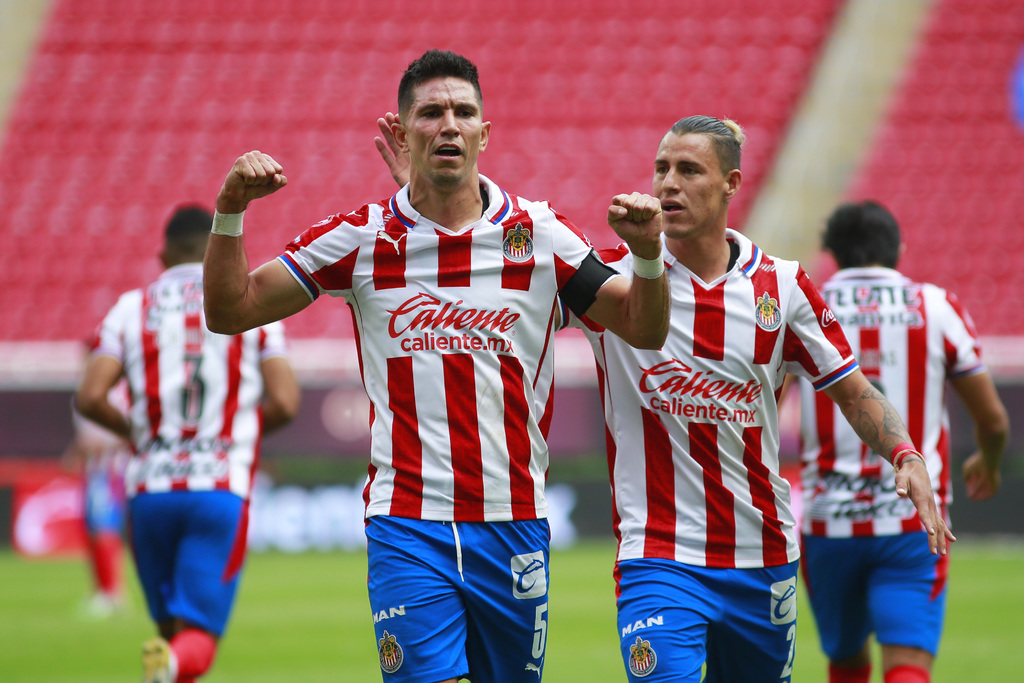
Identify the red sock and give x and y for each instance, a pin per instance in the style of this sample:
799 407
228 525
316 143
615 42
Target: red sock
842 674
194 650
906 673
106 551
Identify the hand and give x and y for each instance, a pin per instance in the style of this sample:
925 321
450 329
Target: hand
636 218
397 160
912 482
982 481
254 175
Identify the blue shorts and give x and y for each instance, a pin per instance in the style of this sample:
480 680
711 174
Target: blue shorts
104 503
889 585
189 547
674 617
459 599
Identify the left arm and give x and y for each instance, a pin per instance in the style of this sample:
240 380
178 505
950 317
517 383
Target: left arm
879 426
101 374
281 393
636 310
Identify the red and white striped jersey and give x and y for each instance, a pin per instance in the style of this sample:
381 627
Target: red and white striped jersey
455 351
692 428
909 338
195 395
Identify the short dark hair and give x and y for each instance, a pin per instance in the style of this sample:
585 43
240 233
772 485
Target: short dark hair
863 234
727 137
436 64
188 232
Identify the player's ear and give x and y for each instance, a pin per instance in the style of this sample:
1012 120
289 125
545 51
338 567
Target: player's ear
398 130
733 179
485 134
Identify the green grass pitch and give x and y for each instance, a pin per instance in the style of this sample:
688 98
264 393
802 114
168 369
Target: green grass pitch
306 618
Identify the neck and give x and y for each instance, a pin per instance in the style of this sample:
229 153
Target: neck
706 256
451 207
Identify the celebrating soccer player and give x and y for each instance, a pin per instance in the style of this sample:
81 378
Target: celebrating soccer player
199 402
866 567
452 284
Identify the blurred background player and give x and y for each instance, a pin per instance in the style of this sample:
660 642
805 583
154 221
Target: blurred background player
452 284
863 556
707 560
199 403
99 457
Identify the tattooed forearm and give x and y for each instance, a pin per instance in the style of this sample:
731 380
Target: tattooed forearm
877 423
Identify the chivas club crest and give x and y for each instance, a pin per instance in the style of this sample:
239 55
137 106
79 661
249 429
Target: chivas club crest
390 653
768 315
518 246
642 658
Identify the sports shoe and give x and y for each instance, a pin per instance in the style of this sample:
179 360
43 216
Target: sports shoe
159 665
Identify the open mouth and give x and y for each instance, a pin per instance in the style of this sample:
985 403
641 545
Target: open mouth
450 151
671 206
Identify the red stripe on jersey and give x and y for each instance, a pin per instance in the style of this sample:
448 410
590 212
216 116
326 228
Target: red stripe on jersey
389 257
826 320
794 350
517 440
337 275
773 540
569 224
870 360
824 412
961 312
917 379
860 529
719 501
942 447
765 280
819 527
454 259
610 449
709 321
325 226
407 449
151 361
238 547
660 530
516 275
464 435
234 380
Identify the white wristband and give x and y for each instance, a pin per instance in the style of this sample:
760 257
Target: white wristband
228 224
648 268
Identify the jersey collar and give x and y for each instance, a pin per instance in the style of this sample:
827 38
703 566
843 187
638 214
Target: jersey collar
499 205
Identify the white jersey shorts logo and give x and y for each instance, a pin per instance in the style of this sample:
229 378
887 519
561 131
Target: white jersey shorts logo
529 576
784 601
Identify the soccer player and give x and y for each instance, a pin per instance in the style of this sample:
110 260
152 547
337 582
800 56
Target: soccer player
100 457
199 403
708 552
707 560
863 558
452 284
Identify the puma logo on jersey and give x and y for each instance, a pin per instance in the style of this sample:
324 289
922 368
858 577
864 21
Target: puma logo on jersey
393 240
533 667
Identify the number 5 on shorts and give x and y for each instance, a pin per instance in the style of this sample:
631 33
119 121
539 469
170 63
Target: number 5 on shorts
540 631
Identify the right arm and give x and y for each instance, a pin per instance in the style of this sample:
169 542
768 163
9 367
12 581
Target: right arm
235 299
991 432
281 394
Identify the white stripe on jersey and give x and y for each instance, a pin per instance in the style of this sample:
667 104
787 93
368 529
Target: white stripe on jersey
694 425
195 395
909 337
454 340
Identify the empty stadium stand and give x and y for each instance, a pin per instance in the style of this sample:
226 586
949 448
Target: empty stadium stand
949 159
131 107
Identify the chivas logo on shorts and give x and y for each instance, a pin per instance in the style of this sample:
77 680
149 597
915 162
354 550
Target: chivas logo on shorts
390 653
518 245
642 658
767 313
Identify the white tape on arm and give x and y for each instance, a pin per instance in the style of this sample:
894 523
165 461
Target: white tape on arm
648 268
228 224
